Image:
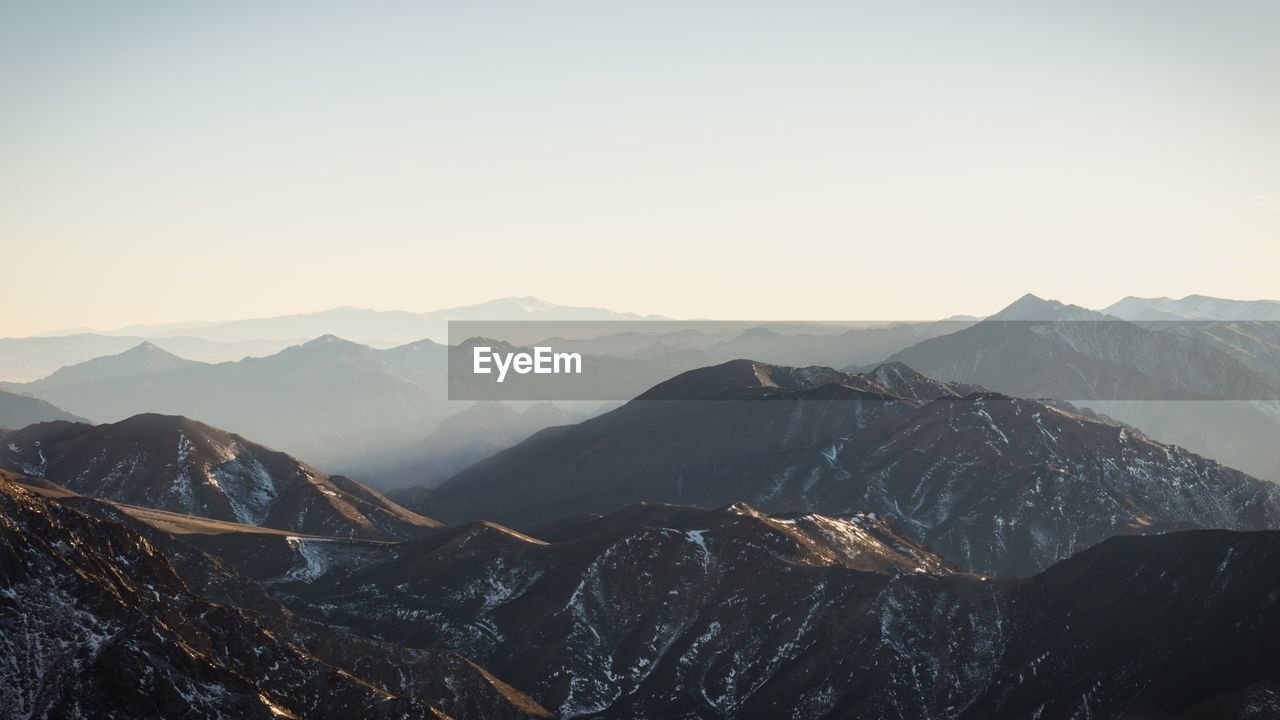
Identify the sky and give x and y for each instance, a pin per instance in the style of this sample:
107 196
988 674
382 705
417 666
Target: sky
172 161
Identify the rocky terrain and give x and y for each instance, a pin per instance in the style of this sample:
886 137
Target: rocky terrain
102 620
744 540
180 465
666 611
995 484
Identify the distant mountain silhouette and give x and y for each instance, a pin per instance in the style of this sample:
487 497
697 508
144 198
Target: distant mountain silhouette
1194 307
328 400
18 411
464 439
31 358
380 328
1143 375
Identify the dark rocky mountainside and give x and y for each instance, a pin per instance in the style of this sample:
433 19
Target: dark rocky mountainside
103 619
663 611
995 484
657 611
657 448
172 463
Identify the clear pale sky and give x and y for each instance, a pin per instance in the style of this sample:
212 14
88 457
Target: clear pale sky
167 161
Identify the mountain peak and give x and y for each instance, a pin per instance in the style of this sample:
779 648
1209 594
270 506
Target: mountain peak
742 378
151 422
1031 307
901 379
150 352
146 346
180 465
145 358
1194 307
330 343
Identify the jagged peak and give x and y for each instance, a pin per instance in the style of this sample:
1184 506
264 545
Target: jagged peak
146 346
1031 307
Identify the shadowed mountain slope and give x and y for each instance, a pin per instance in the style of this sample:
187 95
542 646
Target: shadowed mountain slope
666 611
993 483
180 465
105 618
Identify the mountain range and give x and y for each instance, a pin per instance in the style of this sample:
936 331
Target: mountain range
328 400
380 328
1194 307
359 410
1043 348
994 484
25 359
31 358
670 611
103 616
742 540
1199 384
651 611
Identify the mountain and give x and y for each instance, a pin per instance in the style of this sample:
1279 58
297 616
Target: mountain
630 613
380 328
142 360
992 483
103 617
26 359
1042 348
1248 330
183 466
329 400
344 406
1179 383
1194 307
1255 343
17 411
464 439
906 382
1182 611
666 611
835 348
